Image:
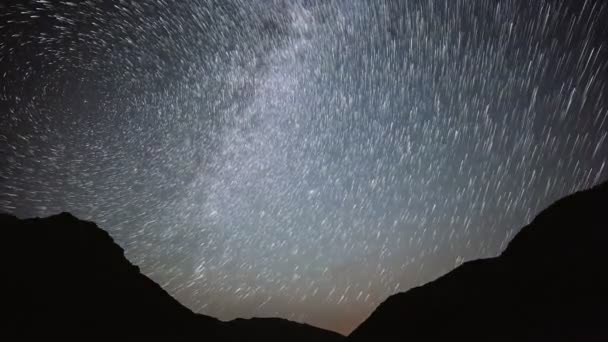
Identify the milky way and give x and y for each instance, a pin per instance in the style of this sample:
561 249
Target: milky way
301 159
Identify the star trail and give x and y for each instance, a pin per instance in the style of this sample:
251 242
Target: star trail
301 159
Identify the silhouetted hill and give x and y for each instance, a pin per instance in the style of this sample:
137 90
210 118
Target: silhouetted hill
550 284
66 277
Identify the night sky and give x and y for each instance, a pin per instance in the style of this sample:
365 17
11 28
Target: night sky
301 159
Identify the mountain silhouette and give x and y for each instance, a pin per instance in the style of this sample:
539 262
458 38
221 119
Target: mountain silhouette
549 284
66 277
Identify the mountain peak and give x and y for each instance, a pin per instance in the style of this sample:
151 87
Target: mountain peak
67 277
549 284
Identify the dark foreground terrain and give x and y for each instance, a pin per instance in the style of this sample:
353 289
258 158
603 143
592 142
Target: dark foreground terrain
550 284
67 277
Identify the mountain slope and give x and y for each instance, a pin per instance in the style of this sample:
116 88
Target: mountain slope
550 283
67 277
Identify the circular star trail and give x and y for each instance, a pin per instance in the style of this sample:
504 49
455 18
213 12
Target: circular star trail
301 159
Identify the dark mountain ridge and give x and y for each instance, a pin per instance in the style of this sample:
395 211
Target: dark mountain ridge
550 284
67 277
